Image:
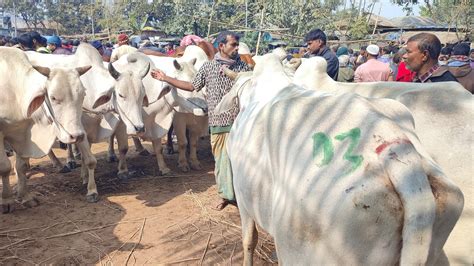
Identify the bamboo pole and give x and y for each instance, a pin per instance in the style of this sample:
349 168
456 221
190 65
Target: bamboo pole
260 30
210 18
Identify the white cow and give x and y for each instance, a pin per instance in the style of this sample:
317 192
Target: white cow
120 97
443 114
31 130
197 125
184 118
335 179
158 115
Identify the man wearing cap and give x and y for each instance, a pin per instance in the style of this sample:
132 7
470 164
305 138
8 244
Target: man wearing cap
460 67
123 49
422 57
372 70
316 41
100 48
54 45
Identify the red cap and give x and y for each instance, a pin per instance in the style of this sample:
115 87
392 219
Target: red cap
122 37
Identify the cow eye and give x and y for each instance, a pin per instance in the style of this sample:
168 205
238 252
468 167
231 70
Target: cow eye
121 96
54 99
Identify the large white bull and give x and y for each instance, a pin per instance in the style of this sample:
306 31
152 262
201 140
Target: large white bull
443 114
185 117
164 102
111 98
29 129
335 179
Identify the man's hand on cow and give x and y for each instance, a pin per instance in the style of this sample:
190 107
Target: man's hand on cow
158 74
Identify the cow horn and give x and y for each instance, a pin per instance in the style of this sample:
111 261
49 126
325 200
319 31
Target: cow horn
83 70
229 73
43 70
144 72
115 74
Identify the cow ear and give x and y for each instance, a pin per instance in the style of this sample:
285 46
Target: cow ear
83 70
164 91
43 70
115 74
145 101
102 100
35 104
176 65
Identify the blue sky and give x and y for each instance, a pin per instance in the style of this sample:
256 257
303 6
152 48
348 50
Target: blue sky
390 10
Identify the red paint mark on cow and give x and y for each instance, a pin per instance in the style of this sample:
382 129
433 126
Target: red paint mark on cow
385 144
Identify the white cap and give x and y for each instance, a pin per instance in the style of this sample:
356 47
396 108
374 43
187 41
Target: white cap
373 49
243 48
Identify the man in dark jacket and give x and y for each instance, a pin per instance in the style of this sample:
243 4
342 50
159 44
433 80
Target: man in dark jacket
54 45
316 41
422 57
460 67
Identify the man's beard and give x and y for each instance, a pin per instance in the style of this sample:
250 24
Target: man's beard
234 56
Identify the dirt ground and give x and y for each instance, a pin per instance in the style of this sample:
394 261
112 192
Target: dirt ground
148 220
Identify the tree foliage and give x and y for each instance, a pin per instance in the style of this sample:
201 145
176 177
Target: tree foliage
180 17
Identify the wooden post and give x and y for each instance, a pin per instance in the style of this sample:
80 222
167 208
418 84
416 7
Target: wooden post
210 19
376 19
260 30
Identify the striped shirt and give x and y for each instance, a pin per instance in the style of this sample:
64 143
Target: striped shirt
217 85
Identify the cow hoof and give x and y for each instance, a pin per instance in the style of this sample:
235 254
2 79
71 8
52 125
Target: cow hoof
65 169
144 152
112 158
123 176
92 198
7 208
72 165
165 171
184 168
31 203
196 166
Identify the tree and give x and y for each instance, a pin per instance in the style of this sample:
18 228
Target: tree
32 12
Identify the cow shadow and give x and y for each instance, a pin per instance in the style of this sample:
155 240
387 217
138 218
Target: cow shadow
65 229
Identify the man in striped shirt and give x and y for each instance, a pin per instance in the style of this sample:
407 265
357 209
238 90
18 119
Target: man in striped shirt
217 84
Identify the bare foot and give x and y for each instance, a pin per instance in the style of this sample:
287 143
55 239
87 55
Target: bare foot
222 203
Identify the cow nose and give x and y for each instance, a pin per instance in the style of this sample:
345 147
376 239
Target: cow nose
77 138
140 129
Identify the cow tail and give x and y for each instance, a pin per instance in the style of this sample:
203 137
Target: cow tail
404 167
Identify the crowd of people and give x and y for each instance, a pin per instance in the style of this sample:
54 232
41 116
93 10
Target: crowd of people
110 52
421 59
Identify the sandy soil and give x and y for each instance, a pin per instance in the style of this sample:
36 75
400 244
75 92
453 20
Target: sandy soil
148 220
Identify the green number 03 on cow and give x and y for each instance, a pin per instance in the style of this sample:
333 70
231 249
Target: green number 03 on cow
323 144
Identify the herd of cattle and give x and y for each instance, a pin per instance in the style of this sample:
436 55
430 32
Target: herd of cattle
347 173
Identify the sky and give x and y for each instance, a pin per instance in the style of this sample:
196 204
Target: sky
390 10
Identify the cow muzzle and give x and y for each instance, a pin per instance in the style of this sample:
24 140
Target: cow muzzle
74 138
140 131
